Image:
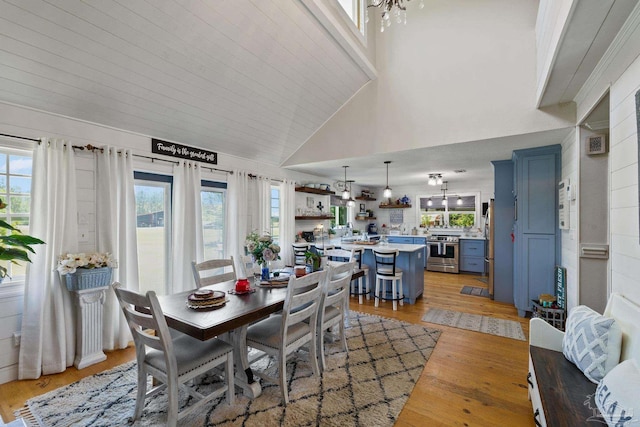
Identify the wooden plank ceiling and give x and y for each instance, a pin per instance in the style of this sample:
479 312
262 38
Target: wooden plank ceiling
252 79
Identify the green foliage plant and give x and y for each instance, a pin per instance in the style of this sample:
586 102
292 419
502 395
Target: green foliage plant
15 246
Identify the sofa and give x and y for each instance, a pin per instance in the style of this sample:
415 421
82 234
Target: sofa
562 394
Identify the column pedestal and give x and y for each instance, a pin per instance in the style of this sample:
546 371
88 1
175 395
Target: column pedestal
89 310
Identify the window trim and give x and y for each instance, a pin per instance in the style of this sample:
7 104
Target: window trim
477 211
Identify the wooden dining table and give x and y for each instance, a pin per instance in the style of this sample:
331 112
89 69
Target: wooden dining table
234 317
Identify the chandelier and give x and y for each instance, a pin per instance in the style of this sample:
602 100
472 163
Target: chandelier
396 8
435 179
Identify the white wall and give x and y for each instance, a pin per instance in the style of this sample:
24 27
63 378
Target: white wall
618 73
625 243
459 71
15 120
569 238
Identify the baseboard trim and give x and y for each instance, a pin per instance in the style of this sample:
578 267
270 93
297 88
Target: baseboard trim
8 374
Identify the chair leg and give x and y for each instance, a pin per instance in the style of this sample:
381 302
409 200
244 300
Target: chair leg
343 336
360 290
320 345
367 285
283 376
172 412
313 352
400 292
394 294
376 296
142 392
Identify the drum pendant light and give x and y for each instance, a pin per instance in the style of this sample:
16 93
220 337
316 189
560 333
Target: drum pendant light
387 191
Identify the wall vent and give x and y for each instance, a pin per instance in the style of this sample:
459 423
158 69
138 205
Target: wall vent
596 144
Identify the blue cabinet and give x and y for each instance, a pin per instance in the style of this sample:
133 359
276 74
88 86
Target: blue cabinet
503 214
472 254
536 248
411 240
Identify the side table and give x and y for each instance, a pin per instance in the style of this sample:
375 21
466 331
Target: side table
89 304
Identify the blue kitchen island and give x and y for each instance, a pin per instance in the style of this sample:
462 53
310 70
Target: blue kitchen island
410 260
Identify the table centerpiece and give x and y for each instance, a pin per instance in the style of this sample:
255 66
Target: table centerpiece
263 250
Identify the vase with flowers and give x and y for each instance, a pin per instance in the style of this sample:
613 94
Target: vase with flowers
15 246
86 270
263 250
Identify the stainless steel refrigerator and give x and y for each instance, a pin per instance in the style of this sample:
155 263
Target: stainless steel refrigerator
489 230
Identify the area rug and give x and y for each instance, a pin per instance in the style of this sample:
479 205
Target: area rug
475 322
368 386
475 291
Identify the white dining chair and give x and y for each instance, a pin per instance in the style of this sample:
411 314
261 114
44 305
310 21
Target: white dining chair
333 310
213 271
361 284
173 361
387 270
280 335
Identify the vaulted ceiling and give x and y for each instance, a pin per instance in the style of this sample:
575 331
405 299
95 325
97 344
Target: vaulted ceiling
252 79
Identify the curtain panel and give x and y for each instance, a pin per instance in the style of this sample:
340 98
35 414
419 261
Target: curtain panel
287 220
116 233
48 327
187 239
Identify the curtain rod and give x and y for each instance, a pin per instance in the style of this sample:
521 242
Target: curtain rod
252 176
19 137
90 147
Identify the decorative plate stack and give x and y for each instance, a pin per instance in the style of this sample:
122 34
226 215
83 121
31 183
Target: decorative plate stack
206 298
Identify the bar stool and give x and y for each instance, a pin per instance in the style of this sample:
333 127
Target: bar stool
357 257
386 270
299 249
322 249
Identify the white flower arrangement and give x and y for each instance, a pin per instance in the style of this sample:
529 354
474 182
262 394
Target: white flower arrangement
69 263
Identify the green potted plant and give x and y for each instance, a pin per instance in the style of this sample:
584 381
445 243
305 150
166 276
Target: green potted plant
15 246
313 260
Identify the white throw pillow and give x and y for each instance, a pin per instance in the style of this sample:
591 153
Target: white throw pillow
592 342
617 395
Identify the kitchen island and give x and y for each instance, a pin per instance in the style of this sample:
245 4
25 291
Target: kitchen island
410 260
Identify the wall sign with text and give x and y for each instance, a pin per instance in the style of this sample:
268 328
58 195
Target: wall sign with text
172 149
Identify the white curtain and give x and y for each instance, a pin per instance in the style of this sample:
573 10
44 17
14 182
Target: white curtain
263 222
116 233
237 220
48 327
187 239
287 219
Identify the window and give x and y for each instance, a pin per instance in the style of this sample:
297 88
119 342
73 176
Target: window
153 211
275 213
355 11
339 212
213 197
15 192
452 214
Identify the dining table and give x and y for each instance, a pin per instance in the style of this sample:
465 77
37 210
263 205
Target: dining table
234 317
239 311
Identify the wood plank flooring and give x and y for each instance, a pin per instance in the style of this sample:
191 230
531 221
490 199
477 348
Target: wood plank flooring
471 379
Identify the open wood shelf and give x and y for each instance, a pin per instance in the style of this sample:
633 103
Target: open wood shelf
316 217
394 206
314 191
365 218
369 199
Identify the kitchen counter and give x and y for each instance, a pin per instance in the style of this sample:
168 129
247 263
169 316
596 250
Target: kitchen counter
411 260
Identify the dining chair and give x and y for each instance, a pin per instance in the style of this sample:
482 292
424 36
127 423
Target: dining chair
173 361
280 335
333 309
387 270
213 271
299 250
361 284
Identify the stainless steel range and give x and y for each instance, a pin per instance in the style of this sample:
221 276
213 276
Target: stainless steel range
443 253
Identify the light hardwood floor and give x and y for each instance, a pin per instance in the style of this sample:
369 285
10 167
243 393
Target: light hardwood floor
471 379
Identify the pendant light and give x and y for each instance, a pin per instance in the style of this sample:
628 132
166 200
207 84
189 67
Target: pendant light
459 202
345 194
350 203
429 202
387 191
444 193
